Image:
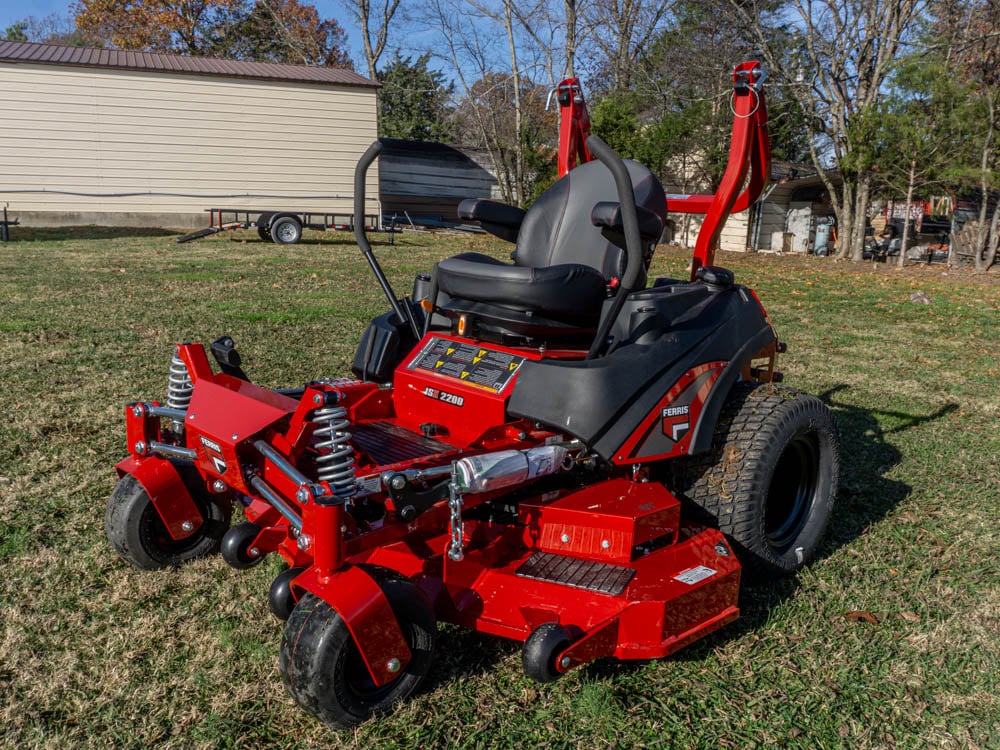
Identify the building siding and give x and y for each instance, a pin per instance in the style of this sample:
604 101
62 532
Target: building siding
190 142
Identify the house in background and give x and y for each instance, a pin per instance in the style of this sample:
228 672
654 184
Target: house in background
794 214
100 136
794 206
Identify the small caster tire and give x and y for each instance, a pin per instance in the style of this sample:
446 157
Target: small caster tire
541 649
323 670
279 596
140 537
236 546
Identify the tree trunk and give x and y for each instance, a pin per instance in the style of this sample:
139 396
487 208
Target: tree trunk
994 240
844 210
515 72
862 193
984 184
570 38
906 215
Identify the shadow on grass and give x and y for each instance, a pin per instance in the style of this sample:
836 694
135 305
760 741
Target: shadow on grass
865 496
461 652
86 232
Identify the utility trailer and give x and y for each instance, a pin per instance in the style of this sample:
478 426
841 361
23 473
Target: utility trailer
281 227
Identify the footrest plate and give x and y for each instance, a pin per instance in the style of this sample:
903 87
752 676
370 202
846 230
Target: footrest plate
582 574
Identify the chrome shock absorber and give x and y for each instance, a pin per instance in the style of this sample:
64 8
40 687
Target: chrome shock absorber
336 459
179 389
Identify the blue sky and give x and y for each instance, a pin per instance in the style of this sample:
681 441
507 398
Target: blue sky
12 11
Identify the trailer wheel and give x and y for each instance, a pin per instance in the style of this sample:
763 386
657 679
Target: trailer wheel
140 537
286 230
540 650
262 226
323 670
770 479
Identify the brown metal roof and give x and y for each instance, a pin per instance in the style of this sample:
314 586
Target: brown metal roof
93 57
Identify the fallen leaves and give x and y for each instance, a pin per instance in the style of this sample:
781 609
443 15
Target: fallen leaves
861 615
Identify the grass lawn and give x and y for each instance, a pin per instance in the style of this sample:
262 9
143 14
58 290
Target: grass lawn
93 653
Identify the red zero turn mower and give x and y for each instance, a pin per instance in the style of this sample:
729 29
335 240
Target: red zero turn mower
556 450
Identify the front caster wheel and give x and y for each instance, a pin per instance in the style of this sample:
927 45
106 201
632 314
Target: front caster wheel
236 549
323 669
279 596
541 649
140 537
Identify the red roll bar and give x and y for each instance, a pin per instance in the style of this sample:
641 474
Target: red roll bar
748 168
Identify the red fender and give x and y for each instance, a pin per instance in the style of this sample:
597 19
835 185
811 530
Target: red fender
171 497
362 604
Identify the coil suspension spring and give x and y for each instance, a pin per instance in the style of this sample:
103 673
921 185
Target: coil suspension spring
336 459
179 388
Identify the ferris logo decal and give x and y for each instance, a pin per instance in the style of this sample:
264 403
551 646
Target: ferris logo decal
448 398
676 422
214 453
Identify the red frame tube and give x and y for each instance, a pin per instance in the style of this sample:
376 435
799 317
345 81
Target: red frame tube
574 125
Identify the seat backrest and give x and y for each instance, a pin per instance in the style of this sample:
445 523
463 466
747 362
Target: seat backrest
557 228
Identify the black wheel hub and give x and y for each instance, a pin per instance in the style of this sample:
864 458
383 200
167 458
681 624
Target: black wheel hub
793 491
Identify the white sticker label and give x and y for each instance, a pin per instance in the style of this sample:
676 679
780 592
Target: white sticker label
369 485
691 576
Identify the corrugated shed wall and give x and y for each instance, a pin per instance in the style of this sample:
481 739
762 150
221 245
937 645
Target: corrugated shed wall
105 131
430 179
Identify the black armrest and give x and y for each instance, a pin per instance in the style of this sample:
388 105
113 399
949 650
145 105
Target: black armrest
607 215
496 218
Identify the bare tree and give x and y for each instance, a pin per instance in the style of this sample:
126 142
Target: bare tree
846 50
970 32
374 25
619 31
500 109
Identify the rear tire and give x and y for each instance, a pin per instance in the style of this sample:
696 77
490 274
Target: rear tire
323 669
769 481
140 537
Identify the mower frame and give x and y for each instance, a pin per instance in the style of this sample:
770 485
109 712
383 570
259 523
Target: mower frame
449 495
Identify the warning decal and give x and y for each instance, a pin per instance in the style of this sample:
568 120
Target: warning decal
693 575
476 365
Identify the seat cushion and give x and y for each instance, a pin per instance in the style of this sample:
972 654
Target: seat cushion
567 291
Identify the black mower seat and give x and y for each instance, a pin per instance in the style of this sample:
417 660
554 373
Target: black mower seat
569 250
568 290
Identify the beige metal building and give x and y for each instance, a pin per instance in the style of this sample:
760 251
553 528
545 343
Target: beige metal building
98 136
